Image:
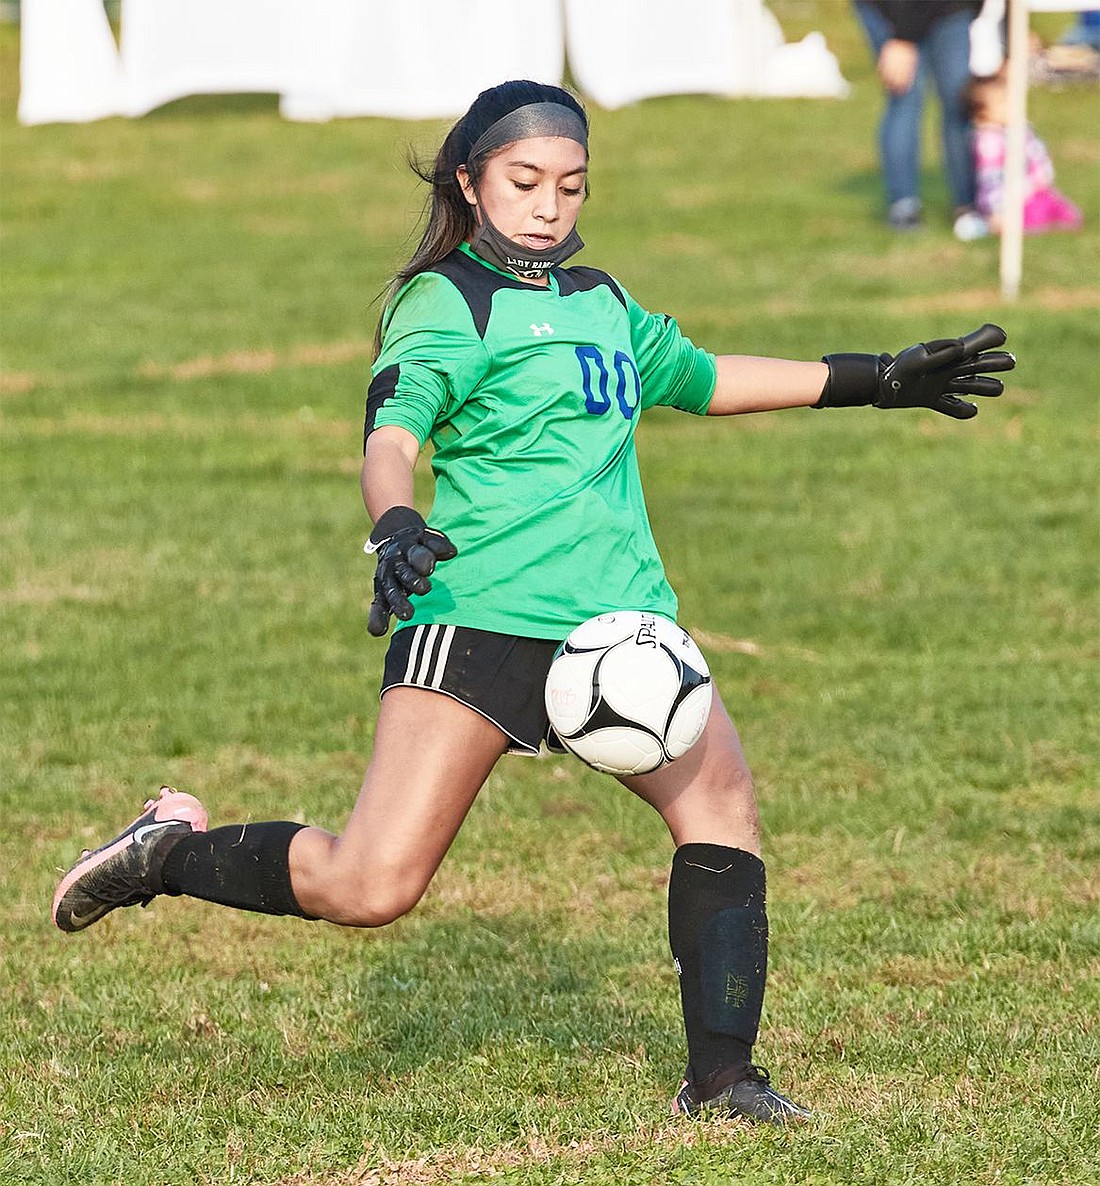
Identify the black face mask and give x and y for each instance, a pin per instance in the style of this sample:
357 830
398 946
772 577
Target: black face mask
496 248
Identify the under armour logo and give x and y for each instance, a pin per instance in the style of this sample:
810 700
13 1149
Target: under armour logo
539 330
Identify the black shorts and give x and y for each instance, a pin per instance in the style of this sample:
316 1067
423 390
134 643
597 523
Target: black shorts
500 676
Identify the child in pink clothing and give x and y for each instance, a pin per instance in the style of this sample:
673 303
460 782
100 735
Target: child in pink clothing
1045 208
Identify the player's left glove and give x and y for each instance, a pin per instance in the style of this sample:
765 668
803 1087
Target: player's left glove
407 550
928 375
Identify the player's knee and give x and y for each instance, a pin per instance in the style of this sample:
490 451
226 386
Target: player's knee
731 799
727 779
740 782
373 902
739 794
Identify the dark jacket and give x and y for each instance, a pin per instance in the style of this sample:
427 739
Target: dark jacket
911 19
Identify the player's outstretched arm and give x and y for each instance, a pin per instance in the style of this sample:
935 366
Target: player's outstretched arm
929 375
748 384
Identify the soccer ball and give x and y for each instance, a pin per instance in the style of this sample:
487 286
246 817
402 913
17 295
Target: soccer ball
628 692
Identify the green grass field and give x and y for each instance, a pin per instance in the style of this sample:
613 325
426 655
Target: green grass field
900 609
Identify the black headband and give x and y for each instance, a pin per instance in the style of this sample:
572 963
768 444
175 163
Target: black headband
529 121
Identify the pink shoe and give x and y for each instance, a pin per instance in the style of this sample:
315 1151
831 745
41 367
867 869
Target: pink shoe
1067 215
1049 210
127 870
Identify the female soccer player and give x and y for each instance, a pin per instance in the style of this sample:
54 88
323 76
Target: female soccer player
528 378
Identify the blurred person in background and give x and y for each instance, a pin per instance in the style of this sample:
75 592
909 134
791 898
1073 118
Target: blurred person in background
912 39
1085 30
1045 208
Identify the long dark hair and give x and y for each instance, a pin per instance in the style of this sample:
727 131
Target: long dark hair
450 217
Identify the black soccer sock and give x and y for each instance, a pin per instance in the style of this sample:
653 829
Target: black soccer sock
718 931
243 865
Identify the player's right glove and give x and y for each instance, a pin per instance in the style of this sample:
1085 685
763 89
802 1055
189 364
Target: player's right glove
928 375
407 550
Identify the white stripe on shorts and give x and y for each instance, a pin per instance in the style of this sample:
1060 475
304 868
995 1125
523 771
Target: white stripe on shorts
428 654
430 633
444 654
414 653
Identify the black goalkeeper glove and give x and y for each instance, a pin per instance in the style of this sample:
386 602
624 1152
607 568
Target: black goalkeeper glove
407 550
928 375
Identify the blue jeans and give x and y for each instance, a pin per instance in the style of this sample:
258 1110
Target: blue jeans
945 54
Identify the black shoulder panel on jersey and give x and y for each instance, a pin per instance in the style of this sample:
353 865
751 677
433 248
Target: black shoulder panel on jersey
582 279
476 283
382 386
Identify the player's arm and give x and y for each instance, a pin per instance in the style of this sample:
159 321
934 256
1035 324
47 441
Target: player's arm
406 547
389 457
748 384
928 375
428 362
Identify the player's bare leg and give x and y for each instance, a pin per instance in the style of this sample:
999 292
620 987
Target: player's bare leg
431 757
708 795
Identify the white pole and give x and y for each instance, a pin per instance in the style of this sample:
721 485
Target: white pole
1012 228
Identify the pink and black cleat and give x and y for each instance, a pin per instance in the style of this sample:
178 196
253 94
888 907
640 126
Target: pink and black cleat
126 871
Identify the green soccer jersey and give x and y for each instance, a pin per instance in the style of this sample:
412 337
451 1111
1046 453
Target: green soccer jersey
530 397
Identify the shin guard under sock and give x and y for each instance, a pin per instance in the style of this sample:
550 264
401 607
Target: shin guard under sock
718 931
242 865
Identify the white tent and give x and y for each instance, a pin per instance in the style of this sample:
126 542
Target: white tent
1012 229
412 59
69 68
621 51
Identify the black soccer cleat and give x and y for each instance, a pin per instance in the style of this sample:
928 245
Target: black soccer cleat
742 1091
126 870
